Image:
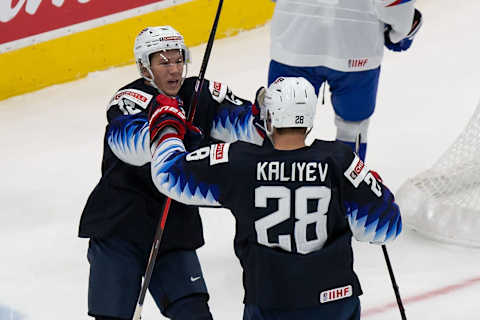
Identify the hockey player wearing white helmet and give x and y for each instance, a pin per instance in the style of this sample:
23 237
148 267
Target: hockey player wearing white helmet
162 57
123 210
296 207
341 42
289 103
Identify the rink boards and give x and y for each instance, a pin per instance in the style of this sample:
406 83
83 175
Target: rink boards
48 42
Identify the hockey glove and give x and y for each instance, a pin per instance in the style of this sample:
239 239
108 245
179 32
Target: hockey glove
166 112
193 137
406 42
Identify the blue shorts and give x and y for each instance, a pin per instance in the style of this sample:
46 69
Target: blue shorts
345 309
116 270
353 94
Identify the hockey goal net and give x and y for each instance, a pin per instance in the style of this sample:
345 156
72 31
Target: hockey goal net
444 202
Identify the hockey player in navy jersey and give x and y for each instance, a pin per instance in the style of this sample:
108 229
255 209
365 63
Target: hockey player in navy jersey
341 42
122 212
296 206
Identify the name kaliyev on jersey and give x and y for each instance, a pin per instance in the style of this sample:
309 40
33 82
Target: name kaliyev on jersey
295 213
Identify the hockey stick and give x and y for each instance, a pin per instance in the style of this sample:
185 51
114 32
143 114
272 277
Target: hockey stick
166 206
385 254
203 68
151 260
394 283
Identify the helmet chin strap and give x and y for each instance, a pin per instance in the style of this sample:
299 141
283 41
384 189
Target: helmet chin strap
309 129
151 80
268 132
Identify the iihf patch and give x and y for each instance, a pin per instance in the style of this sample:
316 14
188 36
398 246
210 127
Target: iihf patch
358 168
356 171
218 90
353 175
219 153
336 294
217 86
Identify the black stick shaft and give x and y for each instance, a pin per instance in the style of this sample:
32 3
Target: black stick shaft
385 255
152 258
203 68
166 206
394 283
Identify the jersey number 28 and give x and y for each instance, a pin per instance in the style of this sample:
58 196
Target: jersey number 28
302 217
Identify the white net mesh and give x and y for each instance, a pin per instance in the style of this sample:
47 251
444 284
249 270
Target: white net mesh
444 201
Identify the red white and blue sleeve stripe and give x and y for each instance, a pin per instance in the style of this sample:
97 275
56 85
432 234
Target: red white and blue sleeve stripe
174 179
129 139
233 124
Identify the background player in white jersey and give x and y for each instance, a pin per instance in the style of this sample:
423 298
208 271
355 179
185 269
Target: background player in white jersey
123 210
341 42
296 207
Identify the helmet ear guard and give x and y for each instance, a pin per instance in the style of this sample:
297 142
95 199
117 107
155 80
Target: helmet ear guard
290 103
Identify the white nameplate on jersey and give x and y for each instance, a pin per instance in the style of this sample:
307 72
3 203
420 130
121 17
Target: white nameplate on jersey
138 97
336 294
356 171
219 153
218 90
296 171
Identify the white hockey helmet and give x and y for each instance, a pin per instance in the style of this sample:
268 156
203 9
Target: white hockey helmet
155 39
290 103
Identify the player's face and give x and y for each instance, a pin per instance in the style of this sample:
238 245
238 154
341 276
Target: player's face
167 69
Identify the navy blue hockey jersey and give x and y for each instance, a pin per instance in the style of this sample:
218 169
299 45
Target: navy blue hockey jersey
295 213
125 202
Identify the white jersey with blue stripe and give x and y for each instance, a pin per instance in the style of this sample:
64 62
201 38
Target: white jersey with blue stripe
344 35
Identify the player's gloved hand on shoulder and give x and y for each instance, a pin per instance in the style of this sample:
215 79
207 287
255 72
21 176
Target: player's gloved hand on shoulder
406 42
166 112
193 137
